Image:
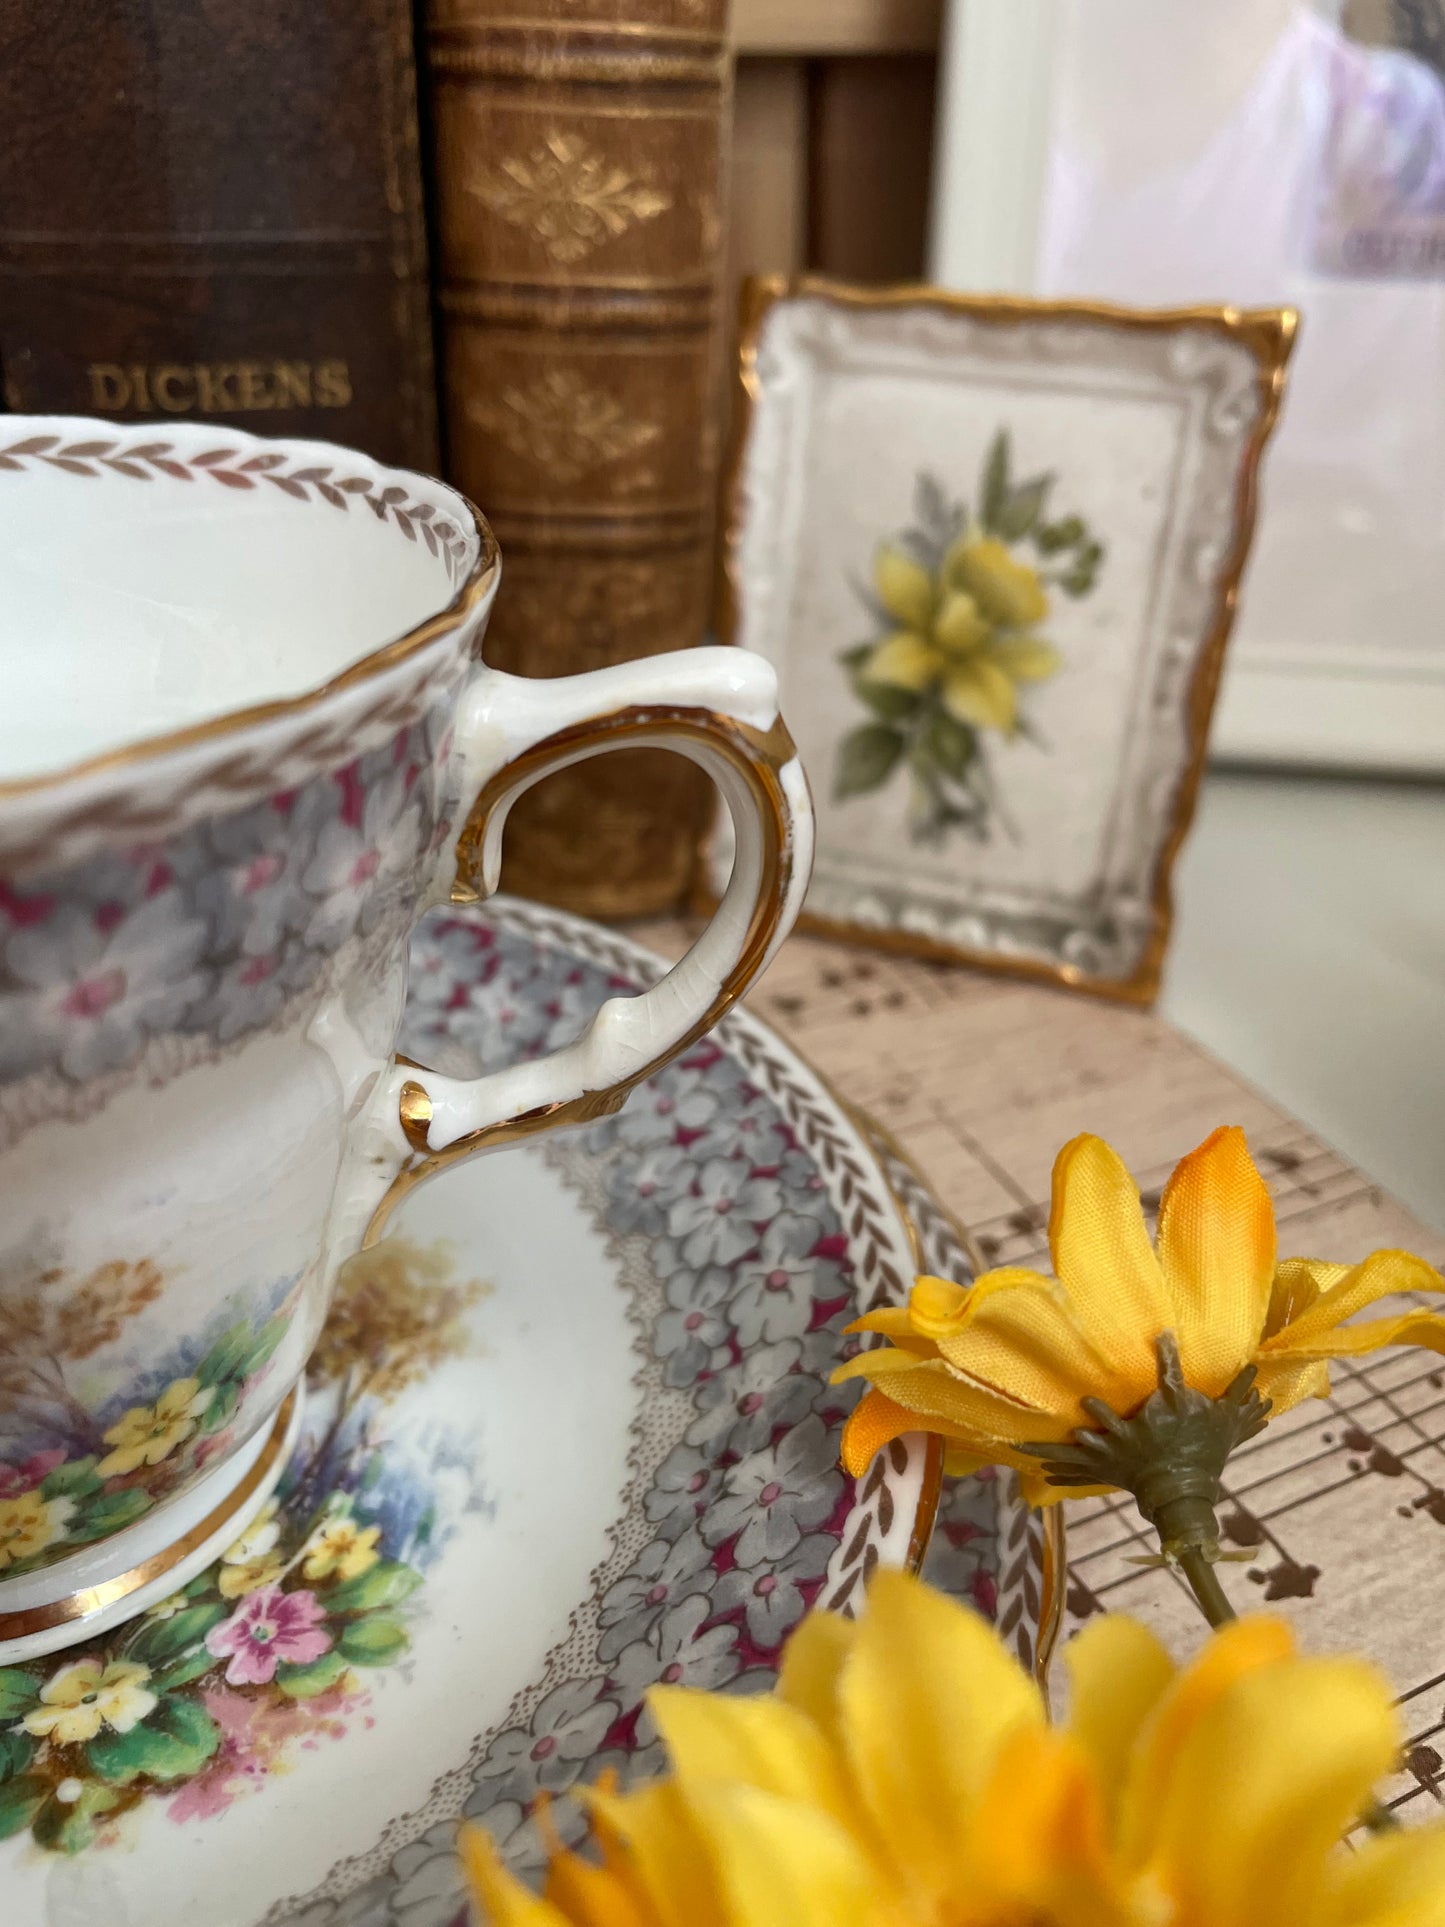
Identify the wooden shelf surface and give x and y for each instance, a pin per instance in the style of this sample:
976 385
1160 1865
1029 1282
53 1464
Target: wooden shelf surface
836 26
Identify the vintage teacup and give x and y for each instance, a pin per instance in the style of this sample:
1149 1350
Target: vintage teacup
246 738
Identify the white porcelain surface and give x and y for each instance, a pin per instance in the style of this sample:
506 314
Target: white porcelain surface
585 1418
203 938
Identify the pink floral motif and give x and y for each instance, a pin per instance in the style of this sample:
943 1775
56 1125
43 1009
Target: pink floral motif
15 1479
257 1735
269 1626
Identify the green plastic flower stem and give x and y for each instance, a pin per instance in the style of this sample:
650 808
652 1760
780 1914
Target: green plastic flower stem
1203 1577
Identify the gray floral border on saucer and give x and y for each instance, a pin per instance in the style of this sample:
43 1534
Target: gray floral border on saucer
748 1229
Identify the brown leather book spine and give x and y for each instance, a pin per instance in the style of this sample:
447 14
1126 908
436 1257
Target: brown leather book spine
214 208
579 153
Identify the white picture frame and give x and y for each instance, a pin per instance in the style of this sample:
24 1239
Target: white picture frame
1337 664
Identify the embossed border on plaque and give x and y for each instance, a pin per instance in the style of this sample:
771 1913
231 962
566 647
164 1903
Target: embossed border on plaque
1222 370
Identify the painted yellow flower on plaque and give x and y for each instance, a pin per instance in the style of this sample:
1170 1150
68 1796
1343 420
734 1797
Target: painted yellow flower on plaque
959 598
964 633
1017 1361
146 1434
29 1523
905 1774
340 1549
88 1694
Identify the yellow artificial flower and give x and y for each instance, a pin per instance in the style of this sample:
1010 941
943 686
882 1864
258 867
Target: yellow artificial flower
88 1694
146 1434
29 1524
1006 1362
904 1774
341 1549
965 632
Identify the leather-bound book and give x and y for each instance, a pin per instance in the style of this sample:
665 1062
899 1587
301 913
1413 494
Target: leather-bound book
213 208
578 176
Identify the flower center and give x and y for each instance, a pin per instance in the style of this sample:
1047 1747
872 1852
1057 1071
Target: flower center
259 872
545 1748
767 1585
671 1674
697 1482
751 1403
770 1493
93 996
365 867
723 1206
692 1321
778 1280
657 1595
263 1631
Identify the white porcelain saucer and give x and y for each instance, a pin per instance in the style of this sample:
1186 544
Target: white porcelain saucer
569 1432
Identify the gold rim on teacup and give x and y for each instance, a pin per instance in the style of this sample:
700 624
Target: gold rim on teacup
479 580
87 1602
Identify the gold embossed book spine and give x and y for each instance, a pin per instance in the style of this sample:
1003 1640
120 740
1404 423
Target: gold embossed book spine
579 158
213 209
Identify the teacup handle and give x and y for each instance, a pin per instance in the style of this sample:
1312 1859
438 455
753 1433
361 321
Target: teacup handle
720 708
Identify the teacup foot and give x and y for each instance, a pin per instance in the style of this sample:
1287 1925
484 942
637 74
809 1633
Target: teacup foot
152 1559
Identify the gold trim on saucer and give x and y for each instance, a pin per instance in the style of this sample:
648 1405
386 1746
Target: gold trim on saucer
82 1605
931 1492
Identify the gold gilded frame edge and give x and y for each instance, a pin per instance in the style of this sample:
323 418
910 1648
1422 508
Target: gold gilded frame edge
1270 335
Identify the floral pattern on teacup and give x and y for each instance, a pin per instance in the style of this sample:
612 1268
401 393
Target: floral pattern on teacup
214 934
266 1653
89 1442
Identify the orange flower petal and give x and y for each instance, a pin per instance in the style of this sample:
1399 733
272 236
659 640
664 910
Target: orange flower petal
880 1362
928 1695
893 1322
504 1901
1242 1647
813 1662
873 1423
1381 1275
1025 1342
584 1894
1423 1328
1286 1384
667 1856
1118 1673
1037 1843
972 1413
1270 1775
1297 1285
1217 1252
1104 1261
877 1418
